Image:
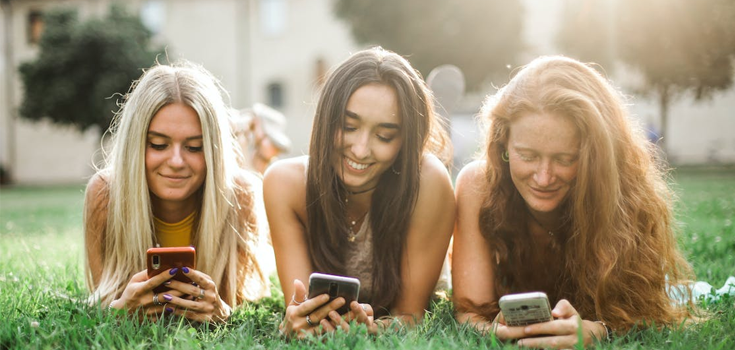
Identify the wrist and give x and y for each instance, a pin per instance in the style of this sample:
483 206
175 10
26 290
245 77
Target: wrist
606 334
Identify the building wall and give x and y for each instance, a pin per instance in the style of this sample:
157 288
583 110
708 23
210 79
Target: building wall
253 44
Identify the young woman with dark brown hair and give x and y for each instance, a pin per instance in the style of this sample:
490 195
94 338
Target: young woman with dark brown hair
372 200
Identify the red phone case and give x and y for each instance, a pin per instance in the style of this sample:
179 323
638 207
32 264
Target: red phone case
162 259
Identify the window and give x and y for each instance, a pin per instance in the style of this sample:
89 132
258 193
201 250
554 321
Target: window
275 95
35 26
273 14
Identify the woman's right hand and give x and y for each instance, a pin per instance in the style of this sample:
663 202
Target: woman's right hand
138 294
304 316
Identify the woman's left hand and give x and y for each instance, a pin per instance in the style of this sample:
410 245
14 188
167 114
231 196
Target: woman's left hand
360 313
204 303
561 333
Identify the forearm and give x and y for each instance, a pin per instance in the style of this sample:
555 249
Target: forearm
475 320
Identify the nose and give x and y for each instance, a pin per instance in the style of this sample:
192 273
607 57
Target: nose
360 146
176 160
544 175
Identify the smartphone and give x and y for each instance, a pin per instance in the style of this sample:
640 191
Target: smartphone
525 308
335 286
162 259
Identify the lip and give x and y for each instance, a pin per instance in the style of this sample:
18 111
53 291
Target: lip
174 178
544 193
349 167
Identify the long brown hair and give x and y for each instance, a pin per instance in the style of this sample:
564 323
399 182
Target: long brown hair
395 196
617 243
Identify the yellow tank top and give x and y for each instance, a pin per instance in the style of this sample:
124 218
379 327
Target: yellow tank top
174 235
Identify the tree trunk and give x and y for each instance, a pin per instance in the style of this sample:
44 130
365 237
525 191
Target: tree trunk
664 100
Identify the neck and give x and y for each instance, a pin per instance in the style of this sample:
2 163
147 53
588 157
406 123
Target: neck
549 221
171 212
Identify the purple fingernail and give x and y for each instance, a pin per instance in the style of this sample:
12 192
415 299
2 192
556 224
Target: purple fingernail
169 310
166 283
194 284
173 271
167 297
185 269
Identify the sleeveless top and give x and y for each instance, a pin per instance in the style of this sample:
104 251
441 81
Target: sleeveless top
359 262
174 234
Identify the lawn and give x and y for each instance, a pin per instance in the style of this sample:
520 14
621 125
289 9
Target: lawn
42 286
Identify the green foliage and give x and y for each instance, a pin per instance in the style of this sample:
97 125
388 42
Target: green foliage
679 46
481 37
82 65
42 288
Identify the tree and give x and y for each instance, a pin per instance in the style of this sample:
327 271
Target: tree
679 46
481 37
82 65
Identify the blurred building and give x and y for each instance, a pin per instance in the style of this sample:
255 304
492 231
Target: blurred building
277 52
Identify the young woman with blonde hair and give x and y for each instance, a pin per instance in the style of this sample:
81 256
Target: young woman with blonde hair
372 200
569 199
173 177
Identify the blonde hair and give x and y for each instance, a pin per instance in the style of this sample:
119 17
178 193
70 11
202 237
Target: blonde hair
618 244
225 244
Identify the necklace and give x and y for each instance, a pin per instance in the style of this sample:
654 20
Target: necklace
550 232
352 234
350 193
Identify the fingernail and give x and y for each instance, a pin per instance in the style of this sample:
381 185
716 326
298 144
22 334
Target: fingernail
167 297
185 269
194 284
166 283
169 310
173 271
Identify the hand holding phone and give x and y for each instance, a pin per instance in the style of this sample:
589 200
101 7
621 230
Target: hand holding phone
162 259
525 308
335 286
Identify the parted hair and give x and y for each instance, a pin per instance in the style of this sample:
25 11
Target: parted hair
395 196
225 233
618 246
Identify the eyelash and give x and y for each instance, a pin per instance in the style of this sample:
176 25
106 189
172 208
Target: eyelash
161 147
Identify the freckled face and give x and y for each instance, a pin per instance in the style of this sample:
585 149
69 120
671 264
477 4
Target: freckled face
543 151
174 162
371 139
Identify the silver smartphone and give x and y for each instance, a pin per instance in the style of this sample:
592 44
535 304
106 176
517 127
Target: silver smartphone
335 286
525 308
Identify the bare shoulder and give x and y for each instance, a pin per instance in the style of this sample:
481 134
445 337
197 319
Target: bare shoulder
471 179
286 171
433 171
435 188
285 180
97 193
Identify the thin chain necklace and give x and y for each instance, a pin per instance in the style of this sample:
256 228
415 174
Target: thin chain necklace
352 234
550 232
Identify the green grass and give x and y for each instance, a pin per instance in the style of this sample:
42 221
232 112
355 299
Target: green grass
42 285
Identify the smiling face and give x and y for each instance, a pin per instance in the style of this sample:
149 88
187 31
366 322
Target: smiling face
174 159
543 151
371 139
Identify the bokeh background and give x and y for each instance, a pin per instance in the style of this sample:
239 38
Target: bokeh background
64 63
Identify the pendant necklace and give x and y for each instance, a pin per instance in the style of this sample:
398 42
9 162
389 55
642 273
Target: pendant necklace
352 234
550 232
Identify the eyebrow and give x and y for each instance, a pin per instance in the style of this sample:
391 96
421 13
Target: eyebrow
158 134
354 115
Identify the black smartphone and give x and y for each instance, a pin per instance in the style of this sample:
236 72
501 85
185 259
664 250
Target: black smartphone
335 286
162 259
525 308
